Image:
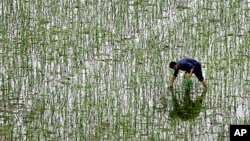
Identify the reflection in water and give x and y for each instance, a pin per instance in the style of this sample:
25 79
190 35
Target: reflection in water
188 109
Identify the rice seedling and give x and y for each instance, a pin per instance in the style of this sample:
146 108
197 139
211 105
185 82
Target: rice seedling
95 70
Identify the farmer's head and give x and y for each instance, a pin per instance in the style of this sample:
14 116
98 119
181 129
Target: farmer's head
173 65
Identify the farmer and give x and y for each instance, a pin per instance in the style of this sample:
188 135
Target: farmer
190 66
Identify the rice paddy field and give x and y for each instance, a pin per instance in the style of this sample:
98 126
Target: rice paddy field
98 70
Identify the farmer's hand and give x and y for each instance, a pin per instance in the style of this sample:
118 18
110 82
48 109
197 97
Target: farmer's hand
188 75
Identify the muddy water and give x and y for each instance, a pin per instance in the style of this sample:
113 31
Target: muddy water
98 70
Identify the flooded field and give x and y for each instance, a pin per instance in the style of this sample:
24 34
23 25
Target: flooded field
98 70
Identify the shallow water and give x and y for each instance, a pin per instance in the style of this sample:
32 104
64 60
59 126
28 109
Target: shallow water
92 70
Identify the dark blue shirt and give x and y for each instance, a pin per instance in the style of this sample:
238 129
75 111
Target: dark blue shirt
185 64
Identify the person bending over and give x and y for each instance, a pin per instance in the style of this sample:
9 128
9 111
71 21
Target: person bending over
189 65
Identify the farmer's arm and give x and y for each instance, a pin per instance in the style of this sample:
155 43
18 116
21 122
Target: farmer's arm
174 77
191 71
172 80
